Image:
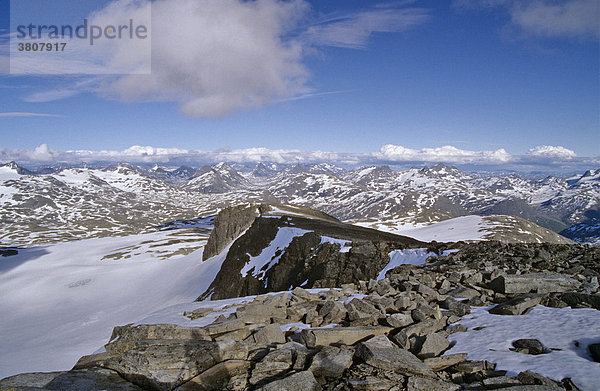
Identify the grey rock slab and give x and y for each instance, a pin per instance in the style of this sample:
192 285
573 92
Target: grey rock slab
340 335
455 306
443 362
165 364
262 312
433 345
545 282
33 379
462 292
304 381
527 388
575 299
269 334
418 329
361 309
331 361
500 382
225 326
517 305
304 294
533 378
91 379
124 338
371 383
399 320
231 375
273 364
423 384
380 352
332 312
92 360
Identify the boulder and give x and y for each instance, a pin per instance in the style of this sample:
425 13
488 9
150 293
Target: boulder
91 379
273 364
533 378
371 383
340 335
443 362
358 309
332 312
594 349
399 320
544 282
257 312
529 346
304 381
33 379
331 361
165 364
304 294
269 334
500 382
423 384
380 352
576 299
518 305
230 375
433 345
419 329
455 306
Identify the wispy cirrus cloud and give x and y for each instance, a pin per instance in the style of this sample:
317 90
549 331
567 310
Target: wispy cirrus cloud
21 114
540 158
353 30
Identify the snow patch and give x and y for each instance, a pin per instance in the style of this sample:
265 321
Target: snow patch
267 258
556 328
344 244
413 256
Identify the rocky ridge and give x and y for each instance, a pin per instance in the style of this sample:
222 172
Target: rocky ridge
387 334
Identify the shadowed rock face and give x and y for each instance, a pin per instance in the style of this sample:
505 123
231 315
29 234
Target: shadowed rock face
229 224
306 260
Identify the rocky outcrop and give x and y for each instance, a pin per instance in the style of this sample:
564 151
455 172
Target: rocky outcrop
229 224
289 244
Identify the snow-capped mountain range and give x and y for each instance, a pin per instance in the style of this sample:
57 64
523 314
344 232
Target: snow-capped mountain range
75 203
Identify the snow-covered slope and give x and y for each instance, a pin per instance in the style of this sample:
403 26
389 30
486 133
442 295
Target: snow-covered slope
509 229
61 301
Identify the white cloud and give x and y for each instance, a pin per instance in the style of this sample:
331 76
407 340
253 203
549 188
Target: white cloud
398 153
217 57
39 154
16 114
548 151
545 18
554 19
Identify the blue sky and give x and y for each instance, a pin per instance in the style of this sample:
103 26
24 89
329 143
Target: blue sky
345 77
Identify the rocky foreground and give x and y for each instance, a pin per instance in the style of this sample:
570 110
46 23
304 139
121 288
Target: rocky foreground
387 334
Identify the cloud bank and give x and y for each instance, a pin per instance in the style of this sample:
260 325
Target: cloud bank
541 158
